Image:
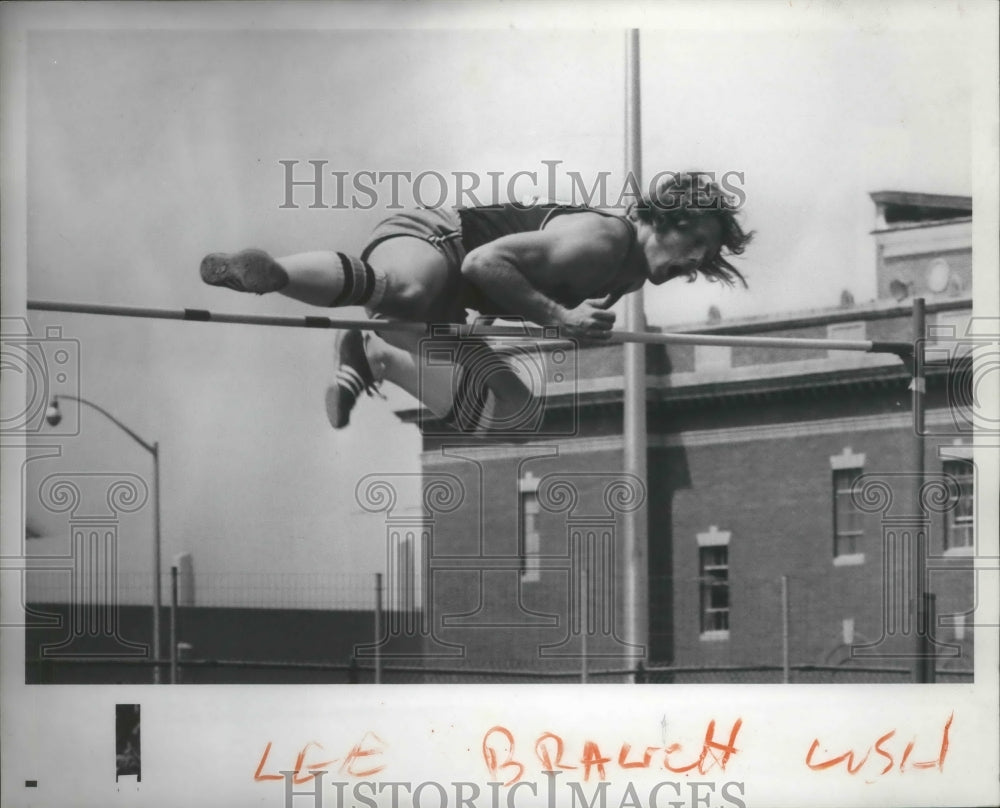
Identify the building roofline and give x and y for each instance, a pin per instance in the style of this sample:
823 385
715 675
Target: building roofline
874 310
841 379
757 324
920 225
924 200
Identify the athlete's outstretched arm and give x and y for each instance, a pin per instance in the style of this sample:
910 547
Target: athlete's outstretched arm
551 276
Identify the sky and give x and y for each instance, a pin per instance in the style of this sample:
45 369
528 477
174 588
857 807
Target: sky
148 149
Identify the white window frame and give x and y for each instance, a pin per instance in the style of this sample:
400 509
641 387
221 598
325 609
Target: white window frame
530 540
847 463
961 469
710 539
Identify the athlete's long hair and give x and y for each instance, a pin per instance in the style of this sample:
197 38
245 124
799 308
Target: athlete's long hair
679 198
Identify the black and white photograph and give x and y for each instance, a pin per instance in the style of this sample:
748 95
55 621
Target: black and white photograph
500 404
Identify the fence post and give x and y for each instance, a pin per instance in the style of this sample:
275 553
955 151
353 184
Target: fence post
786 675
584 625
173 624
378 628
183 648
925 628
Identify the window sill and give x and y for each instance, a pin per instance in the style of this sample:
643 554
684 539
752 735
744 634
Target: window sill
959 552
851 560
714 636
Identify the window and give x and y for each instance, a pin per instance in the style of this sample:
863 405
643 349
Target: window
847 530
713 583
714 564
958 523
530 541
848 527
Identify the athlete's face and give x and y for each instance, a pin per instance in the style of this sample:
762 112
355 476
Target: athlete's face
681 251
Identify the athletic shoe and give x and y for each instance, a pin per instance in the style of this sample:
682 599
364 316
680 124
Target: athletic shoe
354 375
245 271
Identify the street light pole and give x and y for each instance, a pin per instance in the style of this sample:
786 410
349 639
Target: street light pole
157 576
54 416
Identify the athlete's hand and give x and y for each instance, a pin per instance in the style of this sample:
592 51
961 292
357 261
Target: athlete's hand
605 302
587 321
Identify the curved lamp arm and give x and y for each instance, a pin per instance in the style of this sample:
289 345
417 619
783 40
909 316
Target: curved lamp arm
53 415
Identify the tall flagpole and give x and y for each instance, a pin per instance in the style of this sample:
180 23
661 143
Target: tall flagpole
636 617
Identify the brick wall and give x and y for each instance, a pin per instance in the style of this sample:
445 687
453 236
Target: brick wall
775 497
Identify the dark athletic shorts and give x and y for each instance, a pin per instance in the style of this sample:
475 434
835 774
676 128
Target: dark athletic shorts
439 227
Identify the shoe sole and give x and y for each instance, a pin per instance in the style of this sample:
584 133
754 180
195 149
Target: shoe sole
247 271
333 407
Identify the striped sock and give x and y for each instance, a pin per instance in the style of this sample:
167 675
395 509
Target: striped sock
350 379
361 283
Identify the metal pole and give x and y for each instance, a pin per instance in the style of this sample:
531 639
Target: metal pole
173 624
634 392
638 335
785 666
918 542
799 343
930 618
584 603
183 652
378 628
157 583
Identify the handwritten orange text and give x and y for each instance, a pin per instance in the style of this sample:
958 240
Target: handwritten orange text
889 753
506 762
361 760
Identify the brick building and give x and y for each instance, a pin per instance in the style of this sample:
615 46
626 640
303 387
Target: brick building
777 480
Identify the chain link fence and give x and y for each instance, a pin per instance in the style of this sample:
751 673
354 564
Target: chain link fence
307 628
237 589
215 671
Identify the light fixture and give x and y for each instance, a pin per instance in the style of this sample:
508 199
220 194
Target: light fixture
53 415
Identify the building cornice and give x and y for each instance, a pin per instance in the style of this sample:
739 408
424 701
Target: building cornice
876 310
921 199
840 371
697 437
659 389
731 385
921 225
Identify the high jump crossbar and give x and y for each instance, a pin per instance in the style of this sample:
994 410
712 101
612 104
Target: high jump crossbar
900 349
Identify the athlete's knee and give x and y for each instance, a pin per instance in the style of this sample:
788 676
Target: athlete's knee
416 277
407 300
416 295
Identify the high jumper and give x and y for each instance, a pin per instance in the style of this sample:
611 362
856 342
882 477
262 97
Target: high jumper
550 264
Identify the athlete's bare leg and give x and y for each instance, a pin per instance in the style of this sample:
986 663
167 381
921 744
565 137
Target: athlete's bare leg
404 278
